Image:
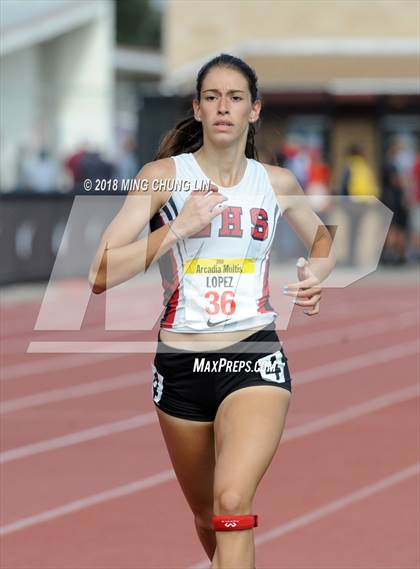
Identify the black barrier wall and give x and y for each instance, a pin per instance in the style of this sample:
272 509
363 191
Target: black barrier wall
31 228
52 236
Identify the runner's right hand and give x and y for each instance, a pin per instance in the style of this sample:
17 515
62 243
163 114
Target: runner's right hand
199 209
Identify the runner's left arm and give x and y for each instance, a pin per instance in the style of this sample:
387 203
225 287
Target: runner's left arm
316 237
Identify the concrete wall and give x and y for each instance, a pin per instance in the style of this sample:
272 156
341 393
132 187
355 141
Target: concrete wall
78 82
275 31
19 103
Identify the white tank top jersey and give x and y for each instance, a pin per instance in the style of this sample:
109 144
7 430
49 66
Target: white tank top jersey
217 279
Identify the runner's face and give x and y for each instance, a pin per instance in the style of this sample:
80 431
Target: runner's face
225 108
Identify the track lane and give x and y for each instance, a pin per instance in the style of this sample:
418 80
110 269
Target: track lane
290 489
317 393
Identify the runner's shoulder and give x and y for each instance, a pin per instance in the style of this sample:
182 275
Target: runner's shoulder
154 172
283 180
158 169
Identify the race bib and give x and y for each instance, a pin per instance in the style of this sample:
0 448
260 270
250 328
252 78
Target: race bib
219 290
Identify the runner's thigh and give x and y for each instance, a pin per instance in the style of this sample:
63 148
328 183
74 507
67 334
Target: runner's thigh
191 449
248 427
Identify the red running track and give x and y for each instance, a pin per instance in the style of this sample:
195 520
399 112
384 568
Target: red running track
87 483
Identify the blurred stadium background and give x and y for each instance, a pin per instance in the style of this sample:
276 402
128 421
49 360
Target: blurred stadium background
89 87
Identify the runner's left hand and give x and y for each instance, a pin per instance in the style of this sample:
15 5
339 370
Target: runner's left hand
306 292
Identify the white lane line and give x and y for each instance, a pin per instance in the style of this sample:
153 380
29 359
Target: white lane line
89 347
79 437
330 508
128 325
126 317
15 371
322 372
360 309
75 391
290 434
353 412
355 331
89 501
339 367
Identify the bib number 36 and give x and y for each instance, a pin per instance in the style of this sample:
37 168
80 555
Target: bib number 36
223 303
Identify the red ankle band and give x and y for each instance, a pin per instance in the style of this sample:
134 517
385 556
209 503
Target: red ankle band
234 523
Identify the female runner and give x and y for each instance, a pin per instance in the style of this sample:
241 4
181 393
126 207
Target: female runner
221 411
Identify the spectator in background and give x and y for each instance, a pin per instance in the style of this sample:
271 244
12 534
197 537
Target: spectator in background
23 160
72 165
318 183
360 220
393 196
127 165
299 162
39 174
358 177
92 166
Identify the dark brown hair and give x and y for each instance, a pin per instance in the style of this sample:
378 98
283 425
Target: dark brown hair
187 135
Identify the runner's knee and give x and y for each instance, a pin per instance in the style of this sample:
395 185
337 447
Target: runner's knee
231 501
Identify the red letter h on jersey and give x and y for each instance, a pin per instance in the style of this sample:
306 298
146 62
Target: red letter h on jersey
231 222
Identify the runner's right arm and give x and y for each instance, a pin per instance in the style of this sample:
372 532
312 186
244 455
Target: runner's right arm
120 255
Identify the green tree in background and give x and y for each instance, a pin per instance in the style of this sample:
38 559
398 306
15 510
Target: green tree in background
138 23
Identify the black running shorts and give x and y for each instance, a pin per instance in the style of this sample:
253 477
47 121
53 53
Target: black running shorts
191 385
